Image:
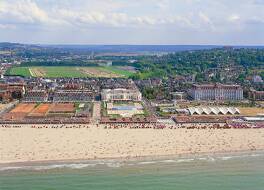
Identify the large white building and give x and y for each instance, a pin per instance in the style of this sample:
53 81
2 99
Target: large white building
121 94
213 110
216 92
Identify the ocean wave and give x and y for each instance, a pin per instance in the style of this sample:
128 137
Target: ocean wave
185 160
211 159
168 161
256 155
227 157
58 166
240 156
118 163
114 164
63 166
202 158
48 167
147 162
10 168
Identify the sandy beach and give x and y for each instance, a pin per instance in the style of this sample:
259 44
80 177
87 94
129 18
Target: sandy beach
33 144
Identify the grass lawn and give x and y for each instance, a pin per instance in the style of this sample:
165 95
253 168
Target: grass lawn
22 71
53 72
71 72
118 71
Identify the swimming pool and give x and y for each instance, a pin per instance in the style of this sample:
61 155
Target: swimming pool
124 108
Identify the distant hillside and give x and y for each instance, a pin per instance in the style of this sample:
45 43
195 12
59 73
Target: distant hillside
133 48
16 46
118 48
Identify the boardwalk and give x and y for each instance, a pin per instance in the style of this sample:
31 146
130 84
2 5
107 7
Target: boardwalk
96 112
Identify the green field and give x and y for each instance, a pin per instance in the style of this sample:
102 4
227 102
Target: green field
73 72
21 71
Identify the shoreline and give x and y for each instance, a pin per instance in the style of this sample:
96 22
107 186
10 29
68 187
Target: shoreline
44 164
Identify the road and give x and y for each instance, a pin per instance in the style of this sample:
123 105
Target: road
150 109
96 116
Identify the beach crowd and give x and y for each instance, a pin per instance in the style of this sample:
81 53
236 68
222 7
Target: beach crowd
143 126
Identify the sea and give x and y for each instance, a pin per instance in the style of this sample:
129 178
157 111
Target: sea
237 171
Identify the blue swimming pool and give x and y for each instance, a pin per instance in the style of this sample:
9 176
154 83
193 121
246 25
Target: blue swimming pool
124 108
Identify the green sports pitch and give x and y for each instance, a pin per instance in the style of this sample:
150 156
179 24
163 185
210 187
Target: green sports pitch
70 72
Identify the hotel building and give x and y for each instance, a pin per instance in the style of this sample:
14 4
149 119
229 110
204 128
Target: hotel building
216 92
121 94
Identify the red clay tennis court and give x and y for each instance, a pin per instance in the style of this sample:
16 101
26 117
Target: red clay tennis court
40 111
19 112
62 108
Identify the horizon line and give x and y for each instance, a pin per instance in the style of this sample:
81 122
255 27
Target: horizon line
100 44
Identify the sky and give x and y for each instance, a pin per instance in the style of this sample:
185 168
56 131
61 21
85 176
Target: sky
160 22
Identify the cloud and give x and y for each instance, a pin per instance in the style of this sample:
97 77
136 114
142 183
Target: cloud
7 26
255 20
205 19
115 19
175 19
23 11
117 13
234 18
104 13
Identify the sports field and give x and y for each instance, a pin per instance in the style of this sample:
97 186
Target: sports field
77 72
40 111
32 110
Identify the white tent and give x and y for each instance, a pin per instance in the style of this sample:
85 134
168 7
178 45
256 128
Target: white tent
213 110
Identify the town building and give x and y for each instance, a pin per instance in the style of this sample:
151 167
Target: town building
73 96
257 79
12 91
256 95
218 92
178 96
36 96
121 94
